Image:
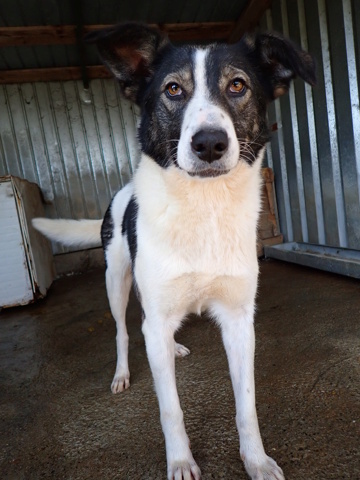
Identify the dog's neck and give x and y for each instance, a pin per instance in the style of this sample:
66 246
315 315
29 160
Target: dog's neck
240 185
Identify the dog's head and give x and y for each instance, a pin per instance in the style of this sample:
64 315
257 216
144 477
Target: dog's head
203 109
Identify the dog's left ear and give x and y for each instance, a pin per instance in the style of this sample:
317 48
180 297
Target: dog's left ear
128 50
281 61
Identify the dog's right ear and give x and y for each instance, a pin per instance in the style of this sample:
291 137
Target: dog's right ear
128 50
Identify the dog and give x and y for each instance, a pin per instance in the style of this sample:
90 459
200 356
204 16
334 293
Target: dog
184 229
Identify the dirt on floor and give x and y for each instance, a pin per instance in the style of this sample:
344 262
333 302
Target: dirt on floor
59 419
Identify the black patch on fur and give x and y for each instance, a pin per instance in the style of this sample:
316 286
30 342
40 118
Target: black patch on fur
160 127
107 229
128 227
248 113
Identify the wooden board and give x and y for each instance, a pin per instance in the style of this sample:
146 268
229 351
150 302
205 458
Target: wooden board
268 228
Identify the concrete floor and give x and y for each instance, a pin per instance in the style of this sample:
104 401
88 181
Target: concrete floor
59 419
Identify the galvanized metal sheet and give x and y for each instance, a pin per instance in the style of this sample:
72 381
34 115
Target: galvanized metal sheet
315 149
79 146
336 260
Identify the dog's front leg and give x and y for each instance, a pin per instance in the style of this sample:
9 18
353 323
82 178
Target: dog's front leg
160 347
239 340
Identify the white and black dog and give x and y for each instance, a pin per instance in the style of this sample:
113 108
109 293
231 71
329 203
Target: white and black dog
185 228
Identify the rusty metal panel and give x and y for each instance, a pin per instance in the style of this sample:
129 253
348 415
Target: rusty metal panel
315 147
79 146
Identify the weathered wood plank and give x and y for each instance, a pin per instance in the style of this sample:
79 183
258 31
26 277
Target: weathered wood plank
51 74
249 18
66 34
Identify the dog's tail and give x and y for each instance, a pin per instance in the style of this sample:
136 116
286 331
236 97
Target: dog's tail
71 233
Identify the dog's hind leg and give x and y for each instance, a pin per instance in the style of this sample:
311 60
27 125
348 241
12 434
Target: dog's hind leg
118 285
181 350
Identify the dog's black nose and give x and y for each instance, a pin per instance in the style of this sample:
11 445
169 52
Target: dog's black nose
210 145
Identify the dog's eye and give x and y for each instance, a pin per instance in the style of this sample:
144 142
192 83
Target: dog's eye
237 86
173 89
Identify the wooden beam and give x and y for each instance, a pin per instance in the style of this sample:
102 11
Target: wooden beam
66 34
52 74
187 32
249 18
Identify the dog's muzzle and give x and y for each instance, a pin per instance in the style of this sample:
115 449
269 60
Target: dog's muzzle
210 145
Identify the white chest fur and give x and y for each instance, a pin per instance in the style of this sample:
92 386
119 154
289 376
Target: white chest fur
196 235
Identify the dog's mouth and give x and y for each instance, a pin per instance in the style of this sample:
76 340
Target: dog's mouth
208 173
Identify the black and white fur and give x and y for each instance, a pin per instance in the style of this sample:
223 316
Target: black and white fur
184 230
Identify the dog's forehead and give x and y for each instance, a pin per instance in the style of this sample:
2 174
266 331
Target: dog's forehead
175 59
215 60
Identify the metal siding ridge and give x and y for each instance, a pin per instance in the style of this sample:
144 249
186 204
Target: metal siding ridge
123 126
46 178
32 173
88 167
269 156
353 82
330 103
119 135
3 159
91 135
312 134
106 139
96 87
19 171
112 112
69 92
282 154
59 172
296 139
284 173
130 119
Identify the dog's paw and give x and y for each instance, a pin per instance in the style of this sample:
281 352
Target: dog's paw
268 469
180 350
184 471
121 382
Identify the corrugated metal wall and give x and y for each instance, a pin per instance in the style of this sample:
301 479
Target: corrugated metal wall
80 152
315 150
79 146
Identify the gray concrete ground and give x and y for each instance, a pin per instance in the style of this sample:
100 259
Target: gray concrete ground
59 419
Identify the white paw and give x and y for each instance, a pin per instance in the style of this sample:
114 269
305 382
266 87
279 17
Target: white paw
180 350
184 471
267 469
121 382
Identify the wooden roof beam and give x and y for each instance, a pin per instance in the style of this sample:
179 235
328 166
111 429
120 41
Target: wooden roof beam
249 18
66 34
53 74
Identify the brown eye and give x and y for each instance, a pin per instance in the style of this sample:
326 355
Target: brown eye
237 86
173 89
